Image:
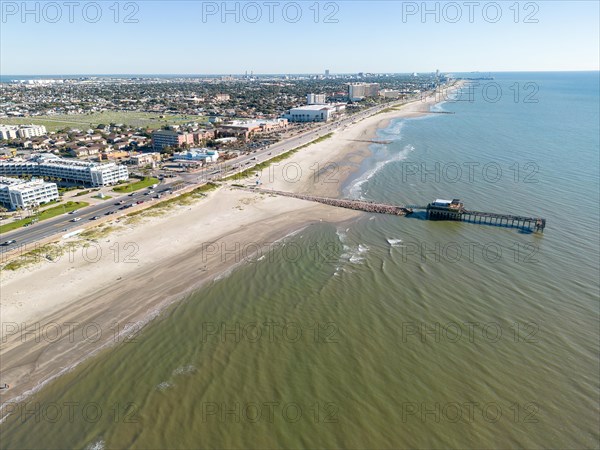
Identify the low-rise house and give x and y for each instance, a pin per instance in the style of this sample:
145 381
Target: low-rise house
197 155
146 159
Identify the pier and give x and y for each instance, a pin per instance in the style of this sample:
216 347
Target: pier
437 210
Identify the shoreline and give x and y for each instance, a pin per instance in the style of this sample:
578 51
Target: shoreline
46 334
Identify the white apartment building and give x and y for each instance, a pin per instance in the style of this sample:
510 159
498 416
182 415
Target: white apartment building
15 193
29 131
90 173
358 91
315 99
8 132
389 93
21 131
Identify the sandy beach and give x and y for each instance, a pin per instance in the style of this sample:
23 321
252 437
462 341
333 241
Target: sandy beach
54 314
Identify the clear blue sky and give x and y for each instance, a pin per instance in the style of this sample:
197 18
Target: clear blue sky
369 36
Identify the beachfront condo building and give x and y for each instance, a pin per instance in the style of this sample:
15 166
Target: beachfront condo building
16 193
360 91
84 172
316 99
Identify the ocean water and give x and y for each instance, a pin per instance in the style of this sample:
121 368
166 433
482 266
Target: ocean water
385 332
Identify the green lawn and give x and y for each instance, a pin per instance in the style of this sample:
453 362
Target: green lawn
44 215
141 184
85 121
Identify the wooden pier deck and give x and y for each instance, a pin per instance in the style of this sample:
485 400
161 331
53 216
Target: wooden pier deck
506 220
502 220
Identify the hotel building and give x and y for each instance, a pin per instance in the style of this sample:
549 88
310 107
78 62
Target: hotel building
170 138
85 172
15 193
315 99
359 91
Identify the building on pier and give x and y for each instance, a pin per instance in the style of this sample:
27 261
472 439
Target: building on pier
455 210
445 209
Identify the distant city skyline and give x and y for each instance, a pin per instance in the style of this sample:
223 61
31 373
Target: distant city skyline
215 38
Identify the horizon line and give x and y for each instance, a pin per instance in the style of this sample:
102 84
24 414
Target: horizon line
294 73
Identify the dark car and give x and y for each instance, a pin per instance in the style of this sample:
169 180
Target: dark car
9 242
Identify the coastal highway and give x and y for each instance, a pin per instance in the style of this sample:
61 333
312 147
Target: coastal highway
62 224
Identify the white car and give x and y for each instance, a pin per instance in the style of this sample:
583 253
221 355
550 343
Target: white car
76 219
